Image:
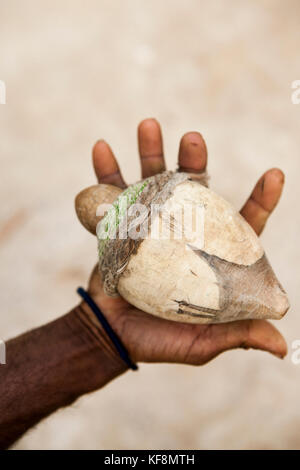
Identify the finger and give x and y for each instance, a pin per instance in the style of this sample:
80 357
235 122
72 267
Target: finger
192 156
106 166
150 148
255 334
263 199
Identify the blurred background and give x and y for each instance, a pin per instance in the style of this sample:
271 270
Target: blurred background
77 71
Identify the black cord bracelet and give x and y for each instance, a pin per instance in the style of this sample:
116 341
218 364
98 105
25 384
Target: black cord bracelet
108 329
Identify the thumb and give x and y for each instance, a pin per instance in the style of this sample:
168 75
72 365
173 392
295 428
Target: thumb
256 334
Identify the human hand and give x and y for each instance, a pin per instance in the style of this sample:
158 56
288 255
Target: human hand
152 339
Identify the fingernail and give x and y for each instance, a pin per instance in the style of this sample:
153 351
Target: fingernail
280 356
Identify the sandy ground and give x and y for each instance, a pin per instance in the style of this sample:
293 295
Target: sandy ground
77 71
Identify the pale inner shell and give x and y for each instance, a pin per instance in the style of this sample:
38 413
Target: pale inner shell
226 234
164 272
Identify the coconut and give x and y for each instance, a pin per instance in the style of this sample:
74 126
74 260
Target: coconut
175 249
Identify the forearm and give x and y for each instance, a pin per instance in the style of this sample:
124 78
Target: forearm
49 367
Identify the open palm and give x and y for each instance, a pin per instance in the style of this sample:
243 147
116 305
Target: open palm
152 339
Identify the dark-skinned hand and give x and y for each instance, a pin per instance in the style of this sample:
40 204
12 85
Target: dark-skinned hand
152 339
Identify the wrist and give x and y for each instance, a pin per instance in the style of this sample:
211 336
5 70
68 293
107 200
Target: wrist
101 357
106 326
